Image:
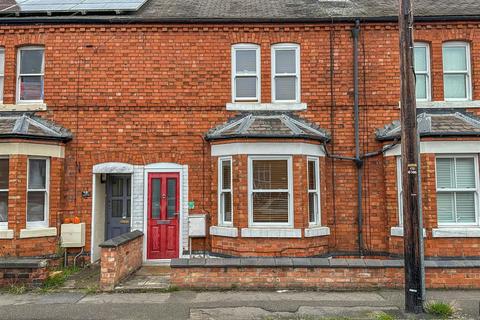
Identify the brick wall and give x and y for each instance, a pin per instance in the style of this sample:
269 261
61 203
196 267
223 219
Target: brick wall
147 93
119 261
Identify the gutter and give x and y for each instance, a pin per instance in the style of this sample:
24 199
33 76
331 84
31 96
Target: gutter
33 137
276 136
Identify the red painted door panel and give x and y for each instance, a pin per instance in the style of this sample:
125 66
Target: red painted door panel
163 215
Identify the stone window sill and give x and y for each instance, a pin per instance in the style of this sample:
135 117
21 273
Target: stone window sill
38 232
317 231
6 234
466 232
23 107
271 233
224 231
449 104
398 232
255 106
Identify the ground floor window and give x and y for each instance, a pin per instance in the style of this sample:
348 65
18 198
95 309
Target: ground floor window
225 191
37 192
4 174
457 190
270 190
313 191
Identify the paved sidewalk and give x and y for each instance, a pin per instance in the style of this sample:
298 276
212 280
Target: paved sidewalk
228 305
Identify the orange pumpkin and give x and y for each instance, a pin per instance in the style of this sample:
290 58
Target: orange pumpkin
67 220
76 220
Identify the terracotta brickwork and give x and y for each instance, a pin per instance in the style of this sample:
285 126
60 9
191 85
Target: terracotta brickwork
146 93
26 276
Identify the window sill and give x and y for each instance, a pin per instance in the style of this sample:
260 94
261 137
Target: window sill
38 232
449 104
465 232
398 232
220 231
271 233
317 231
6 234
255 106
23 107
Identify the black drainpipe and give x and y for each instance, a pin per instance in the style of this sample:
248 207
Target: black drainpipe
358 158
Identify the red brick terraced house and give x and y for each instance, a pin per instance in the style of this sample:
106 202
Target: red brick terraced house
275 120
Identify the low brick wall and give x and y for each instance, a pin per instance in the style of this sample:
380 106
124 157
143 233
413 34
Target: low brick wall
316 274
23 271
120 257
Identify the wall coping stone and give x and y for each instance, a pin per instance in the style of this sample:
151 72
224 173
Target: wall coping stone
23 263
121 239
269 262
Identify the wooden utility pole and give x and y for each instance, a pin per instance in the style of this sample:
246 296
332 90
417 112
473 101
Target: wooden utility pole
410 164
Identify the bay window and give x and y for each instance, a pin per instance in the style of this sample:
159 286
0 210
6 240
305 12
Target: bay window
270 191
313 191
37 192
225 200
246 72
457 190
286 73
2 72
456 71
4 177
30 74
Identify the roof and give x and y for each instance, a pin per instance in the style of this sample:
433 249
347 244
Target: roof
436 124
29 126
264 10
267 125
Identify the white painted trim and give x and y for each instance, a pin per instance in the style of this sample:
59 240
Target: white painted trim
18 75
113 167
427 73
456 233
258 73
467 72
270 233
32 149
398 163
317 232
46 214
278 106
286 46
38 232
6 234
23 107
398 232
220 190
446 147
262 148
449 104
224 231
92 221
318 216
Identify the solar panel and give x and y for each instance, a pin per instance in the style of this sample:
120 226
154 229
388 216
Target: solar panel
38 6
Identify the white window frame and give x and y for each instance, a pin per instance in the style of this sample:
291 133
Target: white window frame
250 192
476 190
221 214
45 223
318 215
286 46
42 74
2 75
239 47
427 73
398 161
4 225
467 72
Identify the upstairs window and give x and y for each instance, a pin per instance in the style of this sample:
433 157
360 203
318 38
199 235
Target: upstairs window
456 71
270 191
37 192
457 190
225 191
422 71
286 73
2 72
313 192
30 74
246 73
4 174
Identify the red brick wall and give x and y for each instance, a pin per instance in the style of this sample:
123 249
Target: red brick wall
23 276
318 278
147 93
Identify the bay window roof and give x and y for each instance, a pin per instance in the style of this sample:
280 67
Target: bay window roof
268 125
436 124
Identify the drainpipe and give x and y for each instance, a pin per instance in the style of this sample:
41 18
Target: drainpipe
358 159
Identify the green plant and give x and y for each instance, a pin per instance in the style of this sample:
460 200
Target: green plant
382 316
16 289
441 309
58 278
91 289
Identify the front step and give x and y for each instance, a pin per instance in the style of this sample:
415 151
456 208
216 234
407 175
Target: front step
147 278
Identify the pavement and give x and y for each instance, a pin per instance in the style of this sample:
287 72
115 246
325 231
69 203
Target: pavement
226 305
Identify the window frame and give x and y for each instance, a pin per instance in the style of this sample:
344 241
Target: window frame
476 190
19 75
2 74
251 223
46 221
221 214
286 46
4 225
428 72
398 161
467 72
318 214
240 47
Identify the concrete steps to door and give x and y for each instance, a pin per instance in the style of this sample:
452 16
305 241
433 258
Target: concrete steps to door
147 279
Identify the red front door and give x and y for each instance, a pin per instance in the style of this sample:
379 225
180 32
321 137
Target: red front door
163 215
